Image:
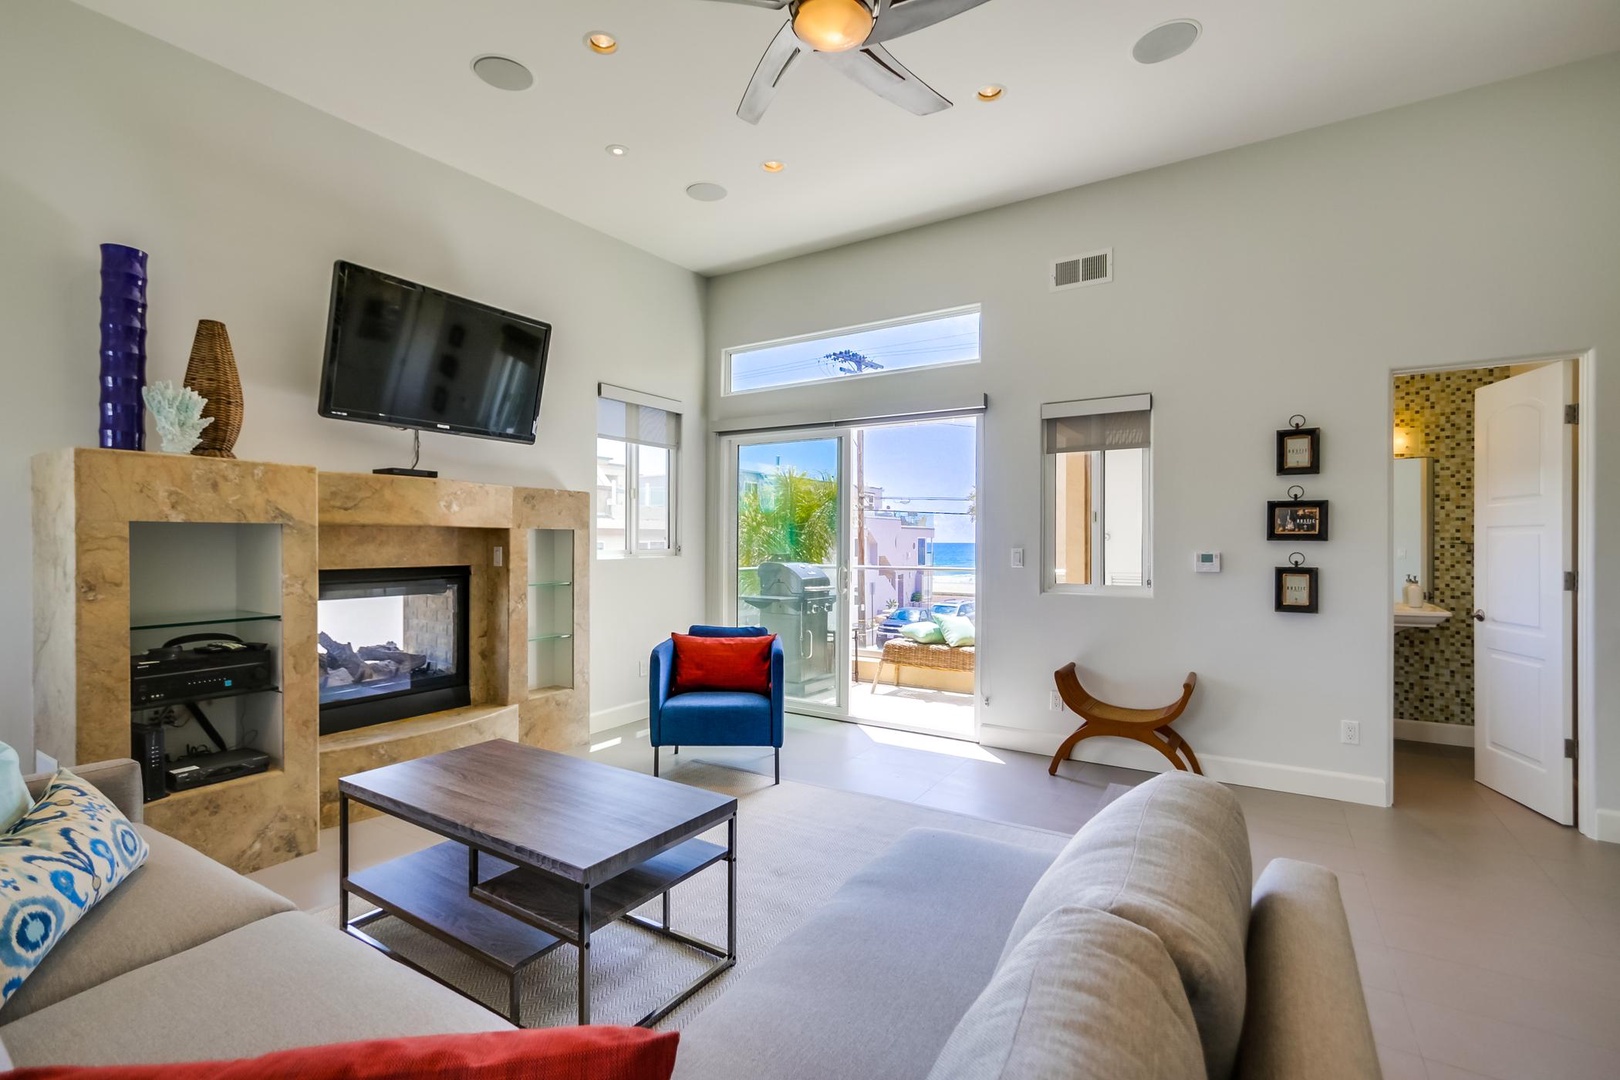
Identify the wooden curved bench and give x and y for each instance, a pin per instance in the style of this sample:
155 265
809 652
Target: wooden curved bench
1150 726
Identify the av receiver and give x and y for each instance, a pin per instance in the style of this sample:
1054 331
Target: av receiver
172 675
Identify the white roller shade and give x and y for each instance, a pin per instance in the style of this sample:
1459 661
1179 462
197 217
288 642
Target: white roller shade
636 422
1118 423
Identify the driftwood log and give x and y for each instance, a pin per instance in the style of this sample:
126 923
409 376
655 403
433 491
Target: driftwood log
404 661
341 655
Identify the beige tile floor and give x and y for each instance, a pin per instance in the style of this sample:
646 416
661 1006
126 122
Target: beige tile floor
1488 937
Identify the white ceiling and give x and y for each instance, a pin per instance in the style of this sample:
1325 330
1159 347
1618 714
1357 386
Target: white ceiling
1078 108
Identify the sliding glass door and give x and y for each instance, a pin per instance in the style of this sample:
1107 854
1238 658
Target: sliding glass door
788 545
847 543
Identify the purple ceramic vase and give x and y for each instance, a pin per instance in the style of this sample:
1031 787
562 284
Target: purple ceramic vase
123 347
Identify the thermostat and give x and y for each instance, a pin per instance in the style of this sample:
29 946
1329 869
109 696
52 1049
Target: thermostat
1207 562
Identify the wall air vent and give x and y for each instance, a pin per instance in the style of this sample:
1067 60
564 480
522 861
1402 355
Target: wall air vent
1092 268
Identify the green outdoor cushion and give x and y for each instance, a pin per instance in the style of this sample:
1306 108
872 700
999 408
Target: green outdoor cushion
958 630
924 633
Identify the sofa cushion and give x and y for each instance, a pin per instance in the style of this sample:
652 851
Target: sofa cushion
65 856
178 899
871 985
738 664
1307 1014
583 1053
281 982
1172 856
1084 996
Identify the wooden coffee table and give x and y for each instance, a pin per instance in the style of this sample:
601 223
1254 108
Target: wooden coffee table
541 850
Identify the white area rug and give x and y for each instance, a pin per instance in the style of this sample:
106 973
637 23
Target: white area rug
797 844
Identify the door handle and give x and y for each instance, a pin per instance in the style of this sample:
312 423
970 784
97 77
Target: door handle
1479 616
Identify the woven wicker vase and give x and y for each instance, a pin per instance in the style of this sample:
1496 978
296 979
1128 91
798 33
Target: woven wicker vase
211 372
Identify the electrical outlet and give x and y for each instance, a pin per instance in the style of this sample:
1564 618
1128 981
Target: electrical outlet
1054 701
1350 732
641 668
500 555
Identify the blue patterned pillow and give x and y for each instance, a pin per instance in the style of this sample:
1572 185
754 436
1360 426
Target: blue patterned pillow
55 864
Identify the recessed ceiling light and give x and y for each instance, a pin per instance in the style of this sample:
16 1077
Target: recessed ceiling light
772 166
503 73
617 151
1166 41
706 192
602 44
991 92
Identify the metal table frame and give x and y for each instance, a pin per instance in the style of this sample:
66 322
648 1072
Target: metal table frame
579 934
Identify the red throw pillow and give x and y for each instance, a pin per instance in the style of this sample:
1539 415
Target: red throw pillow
741 664
573 1053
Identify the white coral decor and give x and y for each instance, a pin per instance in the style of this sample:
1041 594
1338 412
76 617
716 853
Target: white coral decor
177 411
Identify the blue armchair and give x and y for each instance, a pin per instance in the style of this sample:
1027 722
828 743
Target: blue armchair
711 718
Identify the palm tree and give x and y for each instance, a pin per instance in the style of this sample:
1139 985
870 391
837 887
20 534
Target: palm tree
792 517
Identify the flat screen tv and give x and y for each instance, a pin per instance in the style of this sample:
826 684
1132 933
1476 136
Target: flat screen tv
405 355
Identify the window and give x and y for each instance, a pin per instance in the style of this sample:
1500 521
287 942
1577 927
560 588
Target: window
948 337
638 440
1098 488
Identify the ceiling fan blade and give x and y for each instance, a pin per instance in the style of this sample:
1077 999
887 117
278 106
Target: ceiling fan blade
784 49
897 18
875 68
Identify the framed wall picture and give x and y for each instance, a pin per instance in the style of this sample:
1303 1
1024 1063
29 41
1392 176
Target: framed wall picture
1297 519
1299 449
1298 589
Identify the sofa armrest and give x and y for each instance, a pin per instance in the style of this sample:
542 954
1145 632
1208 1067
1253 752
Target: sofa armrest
118 779
660 673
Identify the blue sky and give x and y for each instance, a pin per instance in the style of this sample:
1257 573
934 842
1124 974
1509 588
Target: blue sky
946 340
906 460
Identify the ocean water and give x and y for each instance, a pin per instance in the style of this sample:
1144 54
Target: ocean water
953 555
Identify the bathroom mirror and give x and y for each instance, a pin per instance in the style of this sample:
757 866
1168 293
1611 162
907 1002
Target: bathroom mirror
1414 523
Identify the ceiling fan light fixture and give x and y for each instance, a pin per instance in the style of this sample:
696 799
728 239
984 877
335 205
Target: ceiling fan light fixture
992 92
601 43
832 26
773 166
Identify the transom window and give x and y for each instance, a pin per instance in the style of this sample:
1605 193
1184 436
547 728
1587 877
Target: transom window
921 341
1098 494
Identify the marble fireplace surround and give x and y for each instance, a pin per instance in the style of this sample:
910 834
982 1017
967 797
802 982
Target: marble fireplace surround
84 503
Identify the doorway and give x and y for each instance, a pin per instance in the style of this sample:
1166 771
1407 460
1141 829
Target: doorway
1484 557
858 546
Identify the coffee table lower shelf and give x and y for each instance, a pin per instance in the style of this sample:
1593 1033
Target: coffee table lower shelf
508 916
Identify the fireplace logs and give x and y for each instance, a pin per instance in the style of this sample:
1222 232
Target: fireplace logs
342 664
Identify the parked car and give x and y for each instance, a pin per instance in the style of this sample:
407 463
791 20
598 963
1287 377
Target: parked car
963 608
900 618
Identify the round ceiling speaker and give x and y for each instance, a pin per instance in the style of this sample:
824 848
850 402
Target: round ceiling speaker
706 192
503 73
1166 41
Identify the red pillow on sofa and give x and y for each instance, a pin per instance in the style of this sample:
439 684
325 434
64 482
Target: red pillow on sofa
578 1053
741 664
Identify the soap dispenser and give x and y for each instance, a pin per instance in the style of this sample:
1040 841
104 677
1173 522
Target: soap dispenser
1412 595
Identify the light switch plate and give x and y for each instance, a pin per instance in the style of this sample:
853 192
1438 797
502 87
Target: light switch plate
1207 562
1017 558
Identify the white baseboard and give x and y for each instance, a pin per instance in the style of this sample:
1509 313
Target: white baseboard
629 713
1294 779
1430 732
1606 826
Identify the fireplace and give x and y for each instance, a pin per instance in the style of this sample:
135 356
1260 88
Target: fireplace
393 644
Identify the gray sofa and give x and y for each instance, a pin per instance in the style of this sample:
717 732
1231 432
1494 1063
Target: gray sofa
1135 952
189 961
1157 961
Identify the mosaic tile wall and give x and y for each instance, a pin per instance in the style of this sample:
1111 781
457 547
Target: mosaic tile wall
1434 669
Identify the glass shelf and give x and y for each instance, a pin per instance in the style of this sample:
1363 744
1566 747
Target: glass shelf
549 584
551 637
212 618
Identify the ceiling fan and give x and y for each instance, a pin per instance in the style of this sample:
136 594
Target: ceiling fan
849 35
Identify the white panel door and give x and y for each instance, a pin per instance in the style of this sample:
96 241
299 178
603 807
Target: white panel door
1523 543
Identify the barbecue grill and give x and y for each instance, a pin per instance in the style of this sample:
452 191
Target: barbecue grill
795 603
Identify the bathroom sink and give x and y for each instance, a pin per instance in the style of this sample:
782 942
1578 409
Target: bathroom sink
1426 616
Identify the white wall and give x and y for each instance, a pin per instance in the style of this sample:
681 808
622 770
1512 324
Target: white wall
1287 277
244 198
